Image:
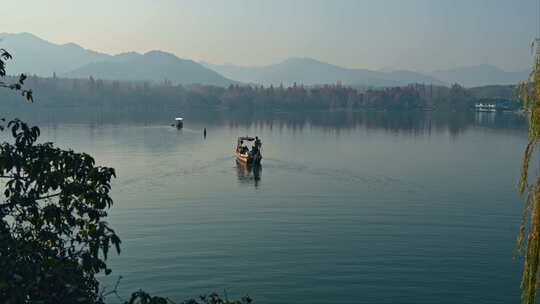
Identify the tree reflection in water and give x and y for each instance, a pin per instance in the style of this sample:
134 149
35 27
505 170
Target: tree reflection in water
248 173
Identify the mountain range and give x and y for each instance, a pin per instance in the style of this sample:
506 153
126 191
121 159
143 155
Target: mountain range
153 66
312 72
480 75
33 55
309 71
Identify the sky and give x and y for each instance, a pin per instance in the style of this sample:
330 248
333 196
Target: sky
421 35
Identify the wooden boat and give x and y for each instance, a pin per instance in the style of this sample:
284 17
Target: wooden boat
244 154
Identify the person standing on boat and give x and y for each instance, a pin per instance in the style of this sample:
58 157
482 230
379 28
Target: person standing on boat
204 132
256 145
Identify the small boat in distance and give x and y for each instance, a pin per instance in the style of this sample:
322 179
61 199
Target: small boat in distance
179 122
244 154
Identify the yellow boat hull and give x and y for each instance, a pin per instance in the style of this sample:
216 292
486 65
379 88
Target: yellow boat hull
245 158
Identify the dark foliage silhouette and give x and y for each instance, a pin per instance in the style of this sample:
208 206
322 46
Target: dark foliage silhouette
53 235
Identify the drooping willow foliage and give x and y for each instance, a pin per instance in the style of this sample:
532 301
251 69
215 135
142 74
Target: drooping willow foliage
529 236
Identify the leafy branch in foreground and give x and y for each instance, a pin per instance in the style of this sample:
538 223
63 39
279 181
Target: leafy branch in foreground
141 297
53 237
18 86
51 220
529 236
52 233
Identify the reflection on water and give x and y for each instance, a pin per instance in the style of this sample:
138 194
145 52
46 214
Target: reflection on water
423 202
485 117
407 122
248 173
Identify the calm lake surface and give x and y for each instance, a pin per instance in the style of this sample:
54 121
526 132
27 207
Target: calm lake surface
346 208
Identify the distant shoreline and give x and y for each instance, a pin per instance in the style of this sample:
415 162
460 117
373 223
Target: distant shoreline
63 93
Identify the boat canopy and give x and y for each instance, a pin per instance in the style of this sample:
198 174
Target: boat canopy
179 119
244 138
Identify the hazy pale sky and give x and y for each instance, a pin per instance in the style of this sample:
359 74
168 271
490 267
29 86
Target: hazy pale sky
421 35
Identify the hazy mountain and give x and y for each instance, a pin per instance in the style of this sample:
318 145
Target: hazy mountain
122 57
33 55
407 77
480 75
494 91
309 71
152 66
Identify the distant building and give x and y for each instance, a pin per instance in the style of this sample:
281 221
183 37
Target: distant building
485 107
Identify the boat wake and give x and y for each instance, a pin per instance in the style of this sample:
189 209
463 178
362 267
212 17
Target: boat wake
343 175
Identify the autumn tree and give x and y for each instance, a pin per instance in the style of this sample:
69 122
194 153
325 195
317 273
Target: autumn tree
529 237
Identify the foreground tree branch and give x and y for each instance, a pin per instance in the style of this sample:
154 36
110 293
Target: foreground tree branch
529 237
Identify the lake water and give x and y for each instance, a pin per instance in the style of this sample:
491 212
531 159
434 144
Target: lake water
346 208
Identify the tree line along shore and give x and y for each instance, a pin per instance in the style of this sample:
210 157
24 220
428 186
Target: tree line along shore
90 92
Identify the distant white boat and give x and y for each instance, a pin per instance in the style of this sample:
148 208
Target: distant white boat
485 107
179 122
